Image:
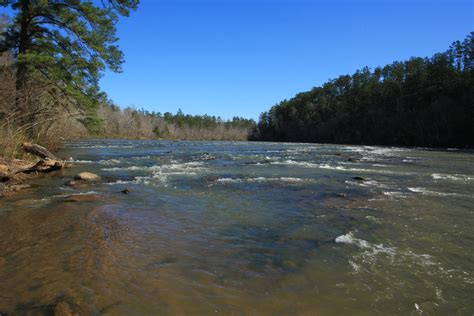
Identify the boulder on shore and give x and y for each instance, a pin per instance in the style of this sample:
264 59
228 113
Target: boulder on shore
4 173
88 176
14 173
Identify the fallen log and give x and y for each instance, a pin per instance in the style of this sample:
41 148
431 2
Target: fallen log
38 150
46 165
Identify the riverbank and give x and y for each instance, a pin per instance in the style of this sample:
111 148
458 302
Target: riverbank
16 173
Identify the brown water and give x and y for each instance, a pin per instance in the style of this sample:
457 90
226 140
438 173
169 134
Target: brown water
264 228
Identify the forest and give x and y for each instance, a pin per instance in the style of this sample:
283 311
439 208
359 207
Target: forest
132 123
419 102
52 56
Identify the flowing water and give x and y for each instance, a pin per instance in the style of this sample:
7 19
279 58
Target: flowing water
243 228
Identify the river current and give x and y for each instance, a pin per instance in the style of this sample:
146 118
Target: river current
243 228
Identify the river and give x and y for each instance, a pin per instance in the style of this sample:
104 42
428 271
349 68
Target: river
244 228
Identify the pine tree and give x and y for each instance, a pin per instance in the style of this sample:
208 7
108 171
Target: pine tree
67 43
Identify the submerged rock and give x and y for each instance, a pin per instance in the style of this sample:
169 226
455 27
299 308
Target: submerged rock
211 178
206 156
360 178
88 176
83 198
77 184
126 191
70 183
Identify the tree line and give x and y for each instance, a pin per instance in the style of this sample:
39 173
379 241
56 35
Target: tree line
133 123
52 55
418 102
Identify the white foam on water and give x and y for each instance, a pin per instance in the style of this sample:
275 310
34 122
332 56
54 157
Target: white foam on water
263 179
432 193
76 193
455 177
83 161
417 307
130 168
373 219
290 162
350 239
110 162
102 162
368 183
371 153
354 266
191 166
302 149
341 168
160 175
229 180
371 251
395 194
305 164
101 146
121 182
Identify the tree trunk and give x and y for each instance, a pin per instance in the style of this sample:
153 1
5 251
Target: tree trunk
21 68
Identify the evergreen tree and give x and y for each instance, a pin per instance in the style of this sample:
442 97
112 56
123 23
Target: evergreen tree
419 102
67 43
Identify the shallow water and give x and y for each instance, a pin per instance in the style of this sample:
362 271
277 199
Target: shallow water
264 228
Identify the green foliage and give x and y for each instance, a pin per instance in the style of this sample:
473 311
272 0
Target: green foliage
204 121
419 102
68 43
93 123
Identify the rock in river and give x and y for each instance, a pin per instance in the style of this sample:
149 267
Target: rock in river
88 176
83 198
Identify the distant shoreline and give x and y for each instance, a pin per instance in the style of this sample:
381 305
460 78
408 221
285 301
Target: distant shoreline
467 147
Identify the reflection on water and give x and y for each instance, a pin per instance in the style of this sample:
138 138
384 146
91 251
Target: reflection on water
263 228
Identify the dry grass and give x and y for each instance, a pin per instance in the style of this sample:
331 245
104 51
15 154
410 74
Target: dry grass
10 144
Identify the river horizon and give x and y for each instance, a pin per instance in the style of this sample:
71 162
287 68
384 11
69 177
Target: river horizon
244 228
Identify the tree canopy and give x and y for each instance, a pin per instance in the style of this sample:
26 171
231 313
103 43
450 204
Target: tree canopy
419 102
66 43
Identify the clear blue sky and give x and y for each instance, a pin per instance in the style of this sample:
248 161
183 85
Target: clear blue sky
240 57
